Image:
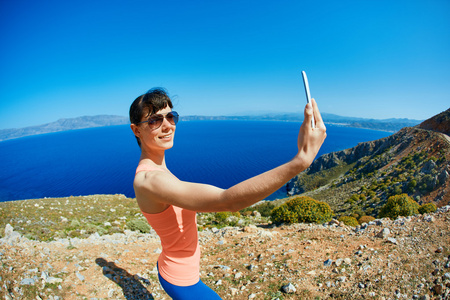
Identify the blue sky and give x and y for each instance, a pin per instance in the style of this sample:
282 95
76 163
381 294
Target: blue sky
373 59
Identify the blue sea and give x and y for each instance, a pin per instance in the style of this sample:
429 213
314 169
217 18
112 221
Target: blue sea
103 160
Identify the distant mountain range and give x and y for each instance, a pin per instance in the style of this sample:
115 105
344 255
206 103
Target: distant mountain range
392 125
63 125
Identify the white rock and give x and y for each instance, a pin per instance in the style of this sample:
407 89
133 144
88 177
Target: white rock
44 276
429 218
265 234
27 281
8 230
384 233
53 280
81 277
392 240
234 291
250 229
289 288
111 293
94 236
11 237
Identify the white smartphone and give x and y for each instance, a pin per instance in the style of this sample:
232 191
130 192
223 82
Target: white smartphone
308 94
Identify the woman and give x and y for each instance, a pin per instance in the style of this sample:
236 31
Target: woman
170 205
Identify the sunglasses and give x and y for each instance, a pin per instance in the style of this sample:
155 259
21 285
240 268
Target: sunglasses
155 121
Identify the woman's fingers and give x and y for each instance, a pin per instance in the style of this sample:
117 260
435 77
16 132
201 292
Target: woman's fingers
308 116
317 115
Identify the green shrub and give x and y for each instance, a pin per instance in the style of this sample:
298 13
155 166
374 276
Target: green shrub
302 210
138 225
92 228
282 214
365 219
427 208
265 209
246 213
412 186
369 210
226 218
75 223
399 205
354 198
221 217
349 221
427 183
397 190
355 215
349 200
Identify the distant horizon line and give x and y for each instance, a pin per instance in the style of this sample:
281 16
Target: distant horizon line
234 115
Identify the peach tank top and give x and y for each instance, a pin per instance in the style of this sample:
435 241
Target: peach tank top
179 261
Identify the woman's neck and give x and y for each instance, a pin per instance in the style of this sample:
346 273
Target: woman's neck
157 158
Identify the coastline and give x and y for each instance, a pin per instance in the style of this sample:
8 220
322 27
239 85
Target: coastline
106 120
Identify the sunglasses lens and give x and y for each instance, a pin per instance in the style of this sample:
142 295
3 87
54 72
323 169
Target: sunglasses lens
172 118
155 121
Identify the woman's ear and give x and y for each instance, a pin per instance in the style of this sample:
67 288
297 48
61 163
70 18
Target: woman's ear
136 130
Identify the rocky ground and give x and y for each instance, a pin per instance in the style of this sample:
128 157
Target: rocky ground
403 259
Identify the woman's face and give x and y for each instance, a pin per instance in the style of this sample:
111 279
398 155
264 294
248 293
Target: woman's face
160 138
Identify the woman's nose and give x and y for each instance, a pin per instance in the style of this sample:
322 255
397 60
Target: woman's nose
166 123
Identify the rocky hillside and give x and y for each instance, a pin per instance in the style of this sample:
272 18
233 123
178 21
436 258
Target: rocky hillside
440 123
84 248
415 161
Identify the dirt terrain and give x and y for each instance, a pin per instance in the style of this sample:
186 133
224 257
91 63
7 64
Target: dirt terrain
403 259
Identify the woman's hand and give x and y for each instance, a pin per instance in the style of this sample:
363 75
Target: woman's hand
310 138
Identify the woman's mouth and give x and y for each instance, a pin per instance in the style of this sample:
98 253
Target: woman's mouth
166 137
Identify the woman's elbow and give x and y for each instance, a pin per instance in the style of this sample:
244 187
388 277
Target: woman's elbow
233 207
224 204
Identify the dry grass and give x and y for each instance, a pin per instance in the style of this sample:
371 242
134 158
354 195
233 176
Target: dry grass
280 255
53 218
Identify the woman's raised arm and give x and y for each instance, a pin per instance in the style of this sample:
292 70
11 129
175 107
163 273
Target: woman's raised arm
259 187
163 188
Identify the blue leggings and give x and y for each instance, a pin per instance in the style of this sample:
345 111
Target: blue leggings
191 292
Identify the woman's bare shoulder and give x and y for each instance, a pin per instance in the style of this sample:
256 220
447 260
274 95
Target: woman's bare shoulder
149 187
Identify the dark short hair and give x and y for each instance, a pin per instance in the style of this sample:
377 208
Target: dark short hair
148 104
